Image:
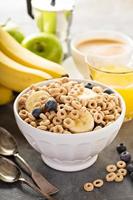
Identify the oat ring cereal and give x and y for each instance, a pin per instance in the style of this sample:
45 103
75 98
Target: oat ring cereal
122 171
98 118
93 111
103 105
76 104
119 177
121 164
57 129
23 114
57 121
110 177
92 103
74 114
64 102
88 187
61 114
68 123
111 168
98 183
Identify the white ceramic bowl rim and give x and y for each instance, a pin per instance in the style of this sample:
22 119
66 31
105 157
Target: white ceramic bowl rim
81 37
69 135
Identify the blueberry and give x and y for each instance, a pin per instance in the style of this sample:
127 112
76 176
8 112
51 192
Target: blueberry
36 112
50 105
131 176
89 86
130 167
125 156
108 91
121 148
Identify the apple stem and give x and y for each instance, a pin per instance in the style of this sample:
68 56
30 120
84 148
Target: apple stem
53 2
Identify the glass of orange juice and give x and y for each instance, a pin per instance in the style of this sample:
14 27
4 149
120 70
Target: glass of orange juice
120 77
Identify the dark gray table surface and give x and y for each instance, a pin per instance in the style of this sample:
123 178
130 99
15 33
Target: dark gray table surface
70 184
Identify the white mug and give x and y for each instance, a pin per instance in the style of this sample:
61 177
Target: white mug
98 60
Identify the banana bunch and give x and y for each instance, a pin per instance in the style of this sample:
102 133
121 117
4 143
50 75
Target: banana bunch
19 67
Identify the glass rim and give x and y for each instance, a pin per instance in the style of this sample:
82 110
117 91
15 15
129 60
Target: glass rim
104 71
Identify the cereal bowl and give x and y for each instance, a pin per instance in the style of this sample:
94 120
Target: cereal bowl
69 152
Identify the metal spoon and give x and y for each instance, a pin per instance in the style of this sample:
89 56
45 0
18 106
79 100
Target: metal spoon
10 173
8 147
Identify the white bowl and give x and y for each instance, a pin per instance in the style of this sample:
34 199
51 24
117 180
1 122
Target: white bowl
69 152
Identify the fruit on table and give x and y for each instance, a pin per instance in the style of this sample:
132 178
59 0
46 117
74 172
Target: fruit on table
45 45
83 124
121 148
14 31
25 57
16 76
6 95
34 98
125 156
130 167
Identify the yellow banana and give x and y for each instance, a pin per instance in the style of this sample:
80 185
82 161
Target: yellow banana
6 95
23 56
16 76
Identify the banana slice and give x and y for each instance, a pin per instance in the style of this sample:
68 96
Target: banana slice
87 94
84 123
34 98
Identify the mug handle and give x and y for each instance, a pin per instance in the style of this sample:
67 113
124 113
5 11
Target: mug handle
29 8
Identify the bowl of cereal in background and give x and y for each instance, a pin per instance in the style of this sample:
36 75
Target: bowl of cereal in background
69 121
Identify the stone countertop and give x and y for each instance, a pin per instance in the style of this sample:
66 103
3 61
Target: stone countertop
89 14
70 184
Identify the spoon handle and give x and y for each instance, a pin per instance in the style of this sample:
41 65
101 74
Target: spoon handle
36 189
40 181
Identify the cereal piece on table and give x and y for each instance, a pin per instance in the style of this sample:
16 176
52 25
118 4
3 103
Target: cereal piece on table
23 114
98 118
121 164
110 177
119 177
57 121
111 168
61 114
97 89
74 114
68 123
88 187
122 171
92 103
98 183
42 127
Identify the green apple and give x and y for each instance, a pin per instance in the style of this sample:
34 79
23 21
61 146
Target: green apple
14 31
45 45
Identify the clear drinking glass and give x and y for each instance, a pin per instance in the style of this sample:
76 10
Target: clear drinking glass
118 77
